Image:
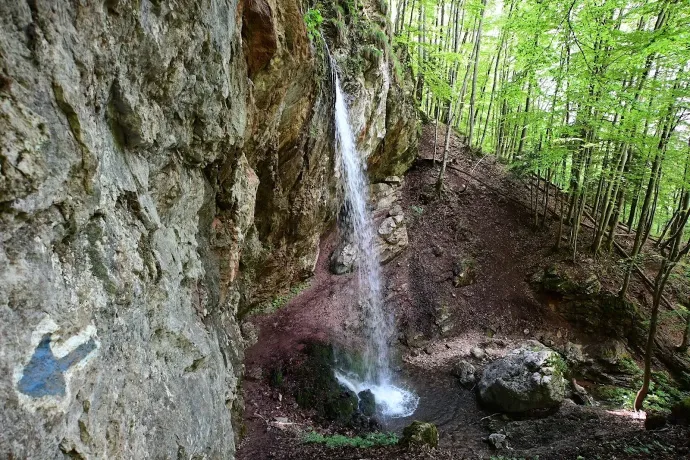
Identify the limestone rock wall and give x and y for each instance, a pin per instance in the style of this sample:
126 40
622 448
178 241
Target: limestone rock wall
164 166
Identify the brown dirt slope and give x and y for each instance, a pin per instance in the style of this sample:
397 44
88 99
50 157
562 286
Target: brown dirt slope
481 221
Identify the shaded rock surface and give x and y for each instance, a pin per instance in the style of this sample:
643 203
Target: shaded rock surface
528 378
165 167
389 223
367 403
316 387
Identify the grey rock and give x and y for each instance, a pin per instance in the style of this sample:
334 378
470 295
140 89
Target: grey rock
497 441
478 353
249 333
528 378
393 180
343 259
387 230
395 211
573 353
465 372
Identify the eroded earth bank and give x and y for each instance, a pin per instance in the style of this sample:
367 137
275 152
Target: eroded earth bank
479 294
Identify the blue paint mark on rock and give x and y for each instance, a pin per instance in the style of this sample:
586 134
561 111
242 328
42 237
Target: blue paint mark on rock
44 375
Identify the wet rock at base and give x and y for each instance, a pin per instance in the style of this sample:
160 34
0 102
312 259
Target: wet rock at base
529 378
465 372
341 406
367 403
419 434
389 223
343 259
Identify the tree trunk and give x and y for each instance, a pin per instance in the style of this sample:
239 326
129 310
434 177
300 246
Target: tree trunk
477 47
446 147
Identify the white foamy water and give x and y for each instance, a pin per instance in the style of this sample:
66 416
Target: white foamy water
378 326
391 400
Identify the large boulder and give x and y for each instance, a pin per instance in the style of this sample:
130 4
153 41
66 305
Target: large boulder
527 379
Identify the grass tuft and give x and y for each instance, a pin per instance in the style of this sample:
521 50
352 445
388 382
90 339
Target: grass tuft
339 440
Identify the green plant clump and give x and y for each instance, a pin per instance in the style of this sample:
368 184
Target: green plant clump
663 393
339 440
616 396
281 300
313 19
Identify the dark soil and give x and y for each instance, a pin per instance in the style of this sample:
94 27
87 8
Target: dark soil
482 221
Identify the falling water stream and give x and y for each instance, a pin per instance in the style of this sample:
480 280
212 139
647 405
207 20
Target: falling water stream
392 400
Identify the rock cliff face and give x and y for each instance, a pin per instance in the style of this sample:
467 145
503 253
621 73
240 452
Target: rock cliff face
164 166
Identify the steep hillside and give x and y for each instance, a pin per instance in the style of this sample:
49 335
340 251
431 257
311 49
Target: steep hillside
477 281
165 166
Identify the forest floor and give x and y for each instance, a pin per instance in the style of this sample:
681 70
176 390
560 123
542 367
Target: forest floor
482 219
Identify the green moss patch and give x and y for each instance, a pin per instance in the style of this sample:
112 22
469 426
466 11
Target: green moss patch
339 440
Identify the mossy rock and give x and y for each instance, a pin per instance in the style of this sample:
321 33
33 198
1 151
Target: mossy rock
529 378
655 419
340 406
680 413
318 389
367 403
419 434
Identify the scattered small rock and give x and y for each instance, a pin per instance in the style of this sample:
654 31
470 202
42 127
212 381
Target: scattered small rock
438 252
254 373
396 210
497 441
465 372
478 353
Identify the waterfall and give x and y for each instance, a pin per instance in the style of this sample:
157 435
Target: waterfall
392 400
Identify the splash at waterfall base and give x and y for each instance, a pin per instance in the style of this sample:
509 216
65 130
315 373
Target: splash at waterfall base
345 399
